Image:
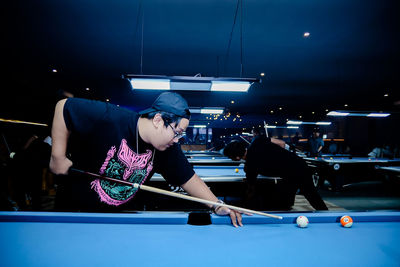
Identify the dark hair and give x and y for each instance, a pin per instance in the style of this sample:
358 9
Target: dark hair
235 149
168 117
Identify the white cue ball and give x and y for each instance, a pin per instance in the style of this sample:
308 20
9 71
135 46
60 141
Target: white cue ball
302 221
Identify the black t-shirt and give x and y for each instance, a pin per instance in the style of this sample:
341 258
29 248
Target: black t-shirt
268 159
104 140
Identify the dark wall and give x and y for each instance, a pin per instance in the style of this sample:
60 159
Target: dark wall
363 134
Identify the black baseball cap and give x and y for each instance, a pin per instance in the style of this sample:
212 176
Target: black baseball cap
170 102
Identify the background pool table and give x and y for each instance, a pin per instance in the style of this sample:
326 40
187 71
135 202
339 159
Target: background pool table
391 176
340 171
211 158
220 161
207 156
392 170
224 181
203 153
165 239
211 173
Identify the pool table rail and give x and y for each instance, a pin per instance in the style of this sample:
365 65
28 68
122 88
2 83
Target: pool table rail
182 217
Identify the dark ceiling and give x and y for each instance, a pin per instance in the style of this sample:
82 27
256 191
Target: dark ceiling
351 56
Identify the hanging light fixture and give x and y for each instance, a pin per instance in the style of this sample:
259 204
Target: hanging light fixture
176 83
195 83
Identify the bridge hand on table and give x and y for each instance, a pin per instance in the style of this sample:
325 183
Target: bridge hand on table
236 216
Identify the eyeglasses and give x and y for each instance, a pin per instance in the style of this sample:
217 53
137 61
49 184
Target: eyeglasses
176 134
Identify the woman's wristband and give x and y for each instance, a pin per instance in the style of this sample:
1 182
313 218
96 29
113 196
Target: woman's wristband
215 206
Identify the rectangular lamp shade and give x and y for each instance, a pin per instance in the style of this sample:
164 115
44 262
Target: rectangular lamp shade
359 114
150 84
206 110
230 86
378 115
211 111
336 113
309 122
294 122
158 82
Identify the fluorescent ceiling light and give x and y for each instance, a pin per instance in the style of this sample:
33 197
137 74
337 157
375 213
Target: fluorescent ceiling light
294 122
378 115
150 84
197 83
206 110
308 123
199 126
211 111
359 114
230 86
282 127
336 113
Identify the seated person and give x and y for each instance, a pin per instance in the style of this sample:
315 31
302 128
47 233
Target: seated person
268 157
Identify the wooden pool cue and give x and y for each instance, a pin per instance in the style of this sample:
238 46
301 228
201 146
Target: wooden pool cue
172 194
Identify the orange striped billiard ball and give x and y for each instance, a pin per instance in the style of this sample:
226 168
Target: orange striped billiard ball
346 221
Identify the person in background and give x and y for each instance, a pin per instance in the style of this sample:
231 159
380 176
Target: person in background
316 143
381 152
333 148
295 140
27 166
256 132
268 156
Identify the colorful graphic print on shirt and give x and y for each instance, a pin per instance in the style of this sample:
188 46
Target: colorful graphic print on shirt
126 165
